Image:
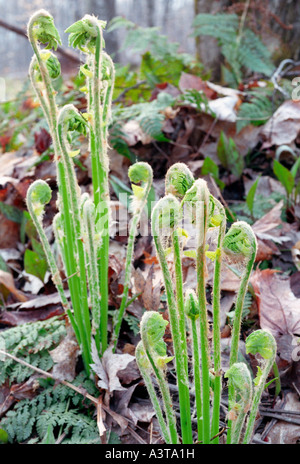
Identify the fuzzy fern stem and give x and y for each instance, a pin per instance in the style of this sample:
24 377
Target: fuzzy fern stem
241 381
217 219
263 343
239 243
165 216
152 330
192 312
145 368
196 200
138 173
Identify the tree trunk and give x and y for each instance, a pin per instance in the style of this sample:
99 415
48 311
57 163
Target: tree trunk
207 48
105 10
150 8
286 26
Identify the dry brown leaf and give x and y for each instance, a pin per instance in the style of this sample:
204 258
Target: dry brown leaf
278 307
283 127
65 357
7 280
284 433
108 368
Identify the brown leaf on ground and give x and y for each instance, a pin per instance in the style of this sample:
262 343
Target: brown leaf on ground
108 367
14 318
284 432
278 307
269 231
190 81
283 127
16 392
65 357
7 280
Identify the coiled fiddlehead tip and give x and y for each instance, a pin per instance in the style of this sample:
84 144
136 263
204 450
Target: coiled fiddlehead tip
72 119
240 240
42 29
217 214
83 33
153 328
165 215
262 342
179 180
141 357
38 195
240 377
140 172
192 309
52 65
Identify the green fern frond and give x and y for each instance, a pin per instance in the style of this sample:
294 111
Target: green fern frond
255 112
30 342
242 48
148 115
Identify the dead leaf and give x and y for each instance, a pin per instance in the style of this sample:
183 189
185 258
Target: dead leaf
65 357
269 231
283 432
108 368
278 307
7 280
133 134
190 81
283 127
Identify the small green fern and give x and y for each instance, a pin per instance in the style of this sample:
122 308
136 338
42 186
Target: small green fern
241 47
149 115
30 342
257 110
65 410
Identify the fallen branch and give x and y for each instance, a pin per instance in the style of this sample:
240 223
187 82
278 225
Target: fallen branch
61 50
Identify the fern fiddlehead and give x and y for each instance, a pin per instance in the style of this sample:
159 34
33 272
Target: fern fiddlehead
241 381
139 173
152 330
263 343
165 217
239 243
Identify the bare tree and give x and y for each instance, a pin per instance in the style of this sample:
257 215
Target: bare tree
150 9
106 10
207 48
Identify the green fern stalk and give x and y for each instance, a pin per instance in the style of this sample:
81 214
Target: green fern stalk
138 173
165 216
240 243
263 343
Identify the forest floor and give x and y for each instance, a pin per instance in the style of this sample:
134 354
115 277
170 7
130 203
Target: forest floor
251 192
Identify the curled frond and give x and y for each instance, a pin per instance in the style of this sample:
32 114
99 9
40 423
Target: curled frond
240 240
240 377
72 119
261 342
84 33
216 212
52 65
140 173
192 305
41 28
38 195
179 180
152 331
195 199
165 215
